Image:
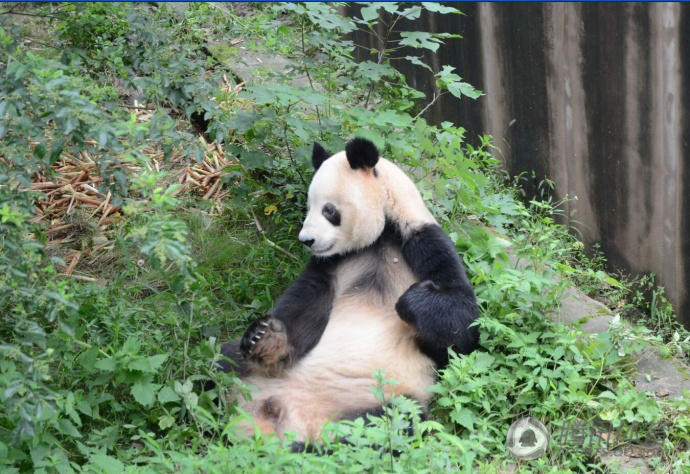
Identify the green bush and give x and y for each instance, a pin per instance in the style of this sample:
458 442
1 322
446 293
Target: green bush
112 378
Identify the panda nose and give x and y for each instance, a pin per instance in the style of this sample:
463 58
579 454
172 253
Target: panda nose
307 242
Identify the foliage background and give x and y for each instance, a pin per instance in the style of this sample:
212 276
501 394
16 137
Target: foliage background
110 377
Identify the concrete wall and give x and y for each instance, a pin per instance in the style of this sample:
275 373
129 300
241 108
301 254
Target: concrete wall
593 96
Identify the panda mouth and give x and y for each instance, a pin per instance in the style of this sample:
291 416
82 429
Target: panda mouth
322 251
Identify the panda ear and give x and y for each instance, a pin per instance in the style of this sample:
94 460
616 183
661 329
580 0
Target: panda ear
361 153
318 155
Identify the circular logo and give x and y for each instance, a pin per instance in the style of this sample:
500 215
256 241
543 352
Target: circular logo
527 438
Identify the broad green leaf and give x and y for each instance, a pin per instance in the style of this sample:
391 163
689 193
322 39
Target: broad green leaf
439 8
145 392
166 421
167 394
148 364
464 418
411 13
108 365
482 362
108 464
67 428
370 12
459 89
416 60
420 39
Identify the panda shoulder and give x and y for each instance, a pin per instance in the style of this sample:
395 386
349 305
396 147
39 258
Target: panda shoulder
404 204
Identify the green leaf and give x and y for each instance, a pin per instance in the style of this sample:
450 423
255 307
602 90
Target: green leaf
108 365
460 89
439 8
613 282
411 13
370 12
420 39
145 392
497 245
148 364
167 394
166 421
464 418
416 60
58 297
107 463
67 428
102 139
482 362
88 358
607 394
40 151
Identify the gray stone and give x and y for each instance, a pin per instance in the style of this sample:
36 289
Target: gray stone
579 309
622 463
664 377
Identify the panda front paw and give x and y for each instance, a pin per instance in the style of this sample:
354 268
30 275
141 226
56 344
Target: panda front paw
416 300
265 343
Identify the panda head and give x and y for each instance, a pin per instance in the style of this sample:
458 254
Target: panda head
345 201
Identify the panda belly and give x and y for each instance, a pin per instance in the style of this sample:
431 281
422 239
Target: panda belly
336 377
364 334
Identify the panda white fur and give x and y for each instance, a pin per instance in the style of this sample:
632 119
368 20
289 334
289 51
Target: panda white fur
384 289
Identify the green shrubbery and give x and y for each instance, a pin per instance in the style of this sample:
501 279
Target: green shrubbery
111 377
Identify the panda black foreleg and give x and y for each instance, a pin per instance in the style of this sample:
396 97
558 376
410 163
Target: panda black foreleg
295 324
442 305
442 319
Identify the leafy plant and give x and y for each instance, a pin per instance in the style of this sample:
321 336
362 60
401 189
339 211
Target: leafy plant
100 377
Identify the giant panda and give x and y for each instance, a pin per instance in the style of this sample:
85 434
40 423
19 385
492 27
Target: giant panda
384 289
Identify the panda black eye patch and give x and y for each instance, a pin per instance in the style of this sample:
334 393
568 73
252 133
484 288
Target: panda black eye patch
331 214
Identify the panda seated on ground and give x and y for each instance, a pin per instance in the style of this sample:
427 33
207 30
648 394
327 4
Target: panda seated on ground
384 289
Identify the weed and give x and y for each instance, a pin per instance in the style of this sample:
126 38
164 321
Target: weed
103 377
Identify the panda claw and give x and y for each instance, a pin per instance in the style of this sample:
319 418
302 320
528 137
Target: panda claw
263 323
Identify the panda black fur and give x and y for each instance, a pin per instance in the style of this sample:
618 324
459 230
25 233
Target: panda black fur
384 289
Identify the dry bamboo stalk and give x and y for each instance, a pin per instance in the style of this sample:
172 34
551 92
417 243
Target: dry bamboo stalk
106 211
71 203
98 247
91 188
210 192
58 228
87 200
44 185
209 177
79 277
73 264
79 177
220 185
95 211
57 203
195 175
208 167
